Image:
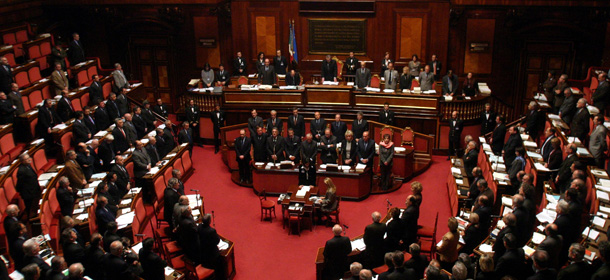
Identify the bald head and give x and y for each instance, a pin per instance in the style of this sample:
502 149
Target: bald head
376 217
337 230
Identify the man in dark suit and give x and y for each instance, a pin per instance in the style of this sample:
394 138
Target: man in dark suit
366 150
240 66
577 268
510 220
73 252
112 108
208 244
192 117
602 93
400 272
488 120
329 70
292 146
185 135
532 121
58 264
7 110
338 128
243 145
552 245
94 256
114 263
579 127
293 78
102 119
254 122
309 149
168 135
359 125
76 52
80 130
121 143
604 271
153 151
335 254
280 63
11 223
275 146
562 181
122 102
514 141
187 236
363 76
418 262
542 266
373 239
259 145
64 108
139 123
267 75
142 164
6 75
351 63
409 220
274 122
16 99
161 109
149 116
386 116
455 134
96 92
568 107
123 179
450 83
512 262
103 216
171 197
107 152
498 135
89 121
471 158
328 148
27 185
153 265
222 76
16 246
47 119
546 147
297 123
32 256
307 174
435 67
317 126
65 197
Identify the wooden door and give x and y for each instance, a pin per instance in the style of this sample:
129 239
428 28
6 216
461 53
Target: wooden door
152 60
537 59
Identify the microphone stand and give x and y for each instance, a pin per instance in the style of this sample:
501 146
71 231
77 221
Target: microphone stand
345 227
213 219
388 204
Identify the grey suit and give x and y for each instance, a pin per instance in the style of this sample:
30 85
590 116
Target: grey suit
597 143
363 78
141 160
390 82
426 81
120 81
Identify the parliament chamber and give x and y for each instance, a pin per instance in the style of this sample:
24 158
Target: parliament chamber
248 139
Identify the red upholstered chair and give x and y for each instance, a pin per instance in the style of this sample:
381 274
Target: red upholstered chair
77 105
178 165
85 100
167 175
139 225
106 89
66 142
34 74
267 206
197 272
33 124
375 81
386 130
26 103
21 78
11 59
428 242
82 78
172 250
160 186
187 164
294 218
92 218
46 92
242 80
12 196
35 97
8 147
408 136
129 167
334 215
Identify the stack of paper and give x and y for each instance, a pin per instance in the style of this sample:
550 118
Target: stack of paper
590 233
222 245
540 167
46 176
528 250
546 216
602 195
153 171
388 90
529 144
98 176
582 151
486 248
125 220
330 83
537 238
358 244
360 167
600 222
506 200
484 89
301 193
60 126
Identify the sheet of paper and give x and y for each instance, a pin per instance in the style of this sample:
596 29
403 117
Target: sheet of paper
486 248
602 195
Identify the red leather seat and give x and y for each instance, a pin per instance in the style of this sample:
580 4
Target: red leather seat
8 147
66 142
41 163
178 165
34 74
159 184
167 175
187 164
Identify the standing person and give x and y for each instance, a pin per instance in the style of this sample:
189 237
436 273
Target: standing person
240 66
349 148
260 61
448 247
329 70
435 67
6 75
351 64
450 83
120 80
359 125
488 120
96 92
366 150
455 134
386 159
414 66
58 55
391 77
275 146
267 74
297 123
309 149
254 122
532 121
386 116
328 148
293 79
274 122
374 241
514 141
292 146
548 86
15 97
7 110
307 174
406 79
259 144
579 127
338 128
317 126
335 254
385 62
192 118
27 185
218 120
497 137
58 80
153 265
222 76
426 79
558 97
280 63
363 76
161 109
602 93
597 141
470 86
207 76
76 52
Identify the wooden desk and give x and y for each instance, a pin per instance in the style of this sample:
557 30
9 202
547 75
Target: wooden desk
270 96
328 95
397 100
352 185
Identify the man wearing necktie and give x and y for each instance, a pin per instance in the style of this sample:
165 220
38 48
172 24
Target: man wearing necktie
391 77
96 93
297 123
120 81
15 97
59 80
153 152
280 63
142 164
192 116
243 145
329 70
239 65
426 79
218 120
275 146
186 135
222 76
47 119
76 52
366 150
338 128
318 125
274 122
363 76
259 145
580 123
267 75
27 185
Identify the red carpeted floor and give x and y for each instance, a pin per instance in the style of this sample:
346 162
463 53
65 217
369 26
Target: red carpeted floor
264 249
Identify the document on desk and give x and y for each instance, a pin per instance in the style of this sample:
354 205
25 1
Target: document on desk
125 220
101 133
602 195
605 182
358 244
599 221
486 248
508 201
546 216
582 151
222 245
540 167
98 176
486 147
46 176
537 238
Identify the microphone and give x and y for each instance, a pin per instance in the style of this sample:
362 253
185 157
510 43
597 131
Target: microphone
38 224
193 190
495 216
388 201
140 235
213 219
345 226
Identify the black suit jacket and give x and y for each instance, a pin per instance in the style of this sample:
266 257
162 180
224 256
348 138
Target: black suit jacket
268 76
335 255
11 229
192 115
55 275
470 161
275 148
353 152
564 173
280 63
552 245
106 154
555 159
454 84
298 127
115 267
338 130
161 110
367 152
64 109
253 124
601 95
208 244
153 153
80 132
293 81
16 252
222 77
309 150
121 144
42 265
90 123
546 147
47 118
511 263
140 124
373 238
292 147
243 148
317 127
74 253
259 145
278 124
439 66
579 127
96 93
112 108
240 63
122 103
27 183
103 216
307 177
455 131
575 271
218 119
514 141
149 118
66 201
102 119
153 265
183 137
329 70
389 119
358 129
93 263
487 124
7 112
533 121
170 199
6 78
419 264
122 178
409 219
498 138
188 238
76 53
